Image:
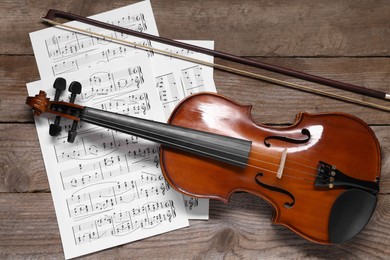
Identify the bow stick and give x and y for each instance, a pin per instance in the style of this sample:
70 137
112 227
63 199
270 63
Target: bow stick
52 14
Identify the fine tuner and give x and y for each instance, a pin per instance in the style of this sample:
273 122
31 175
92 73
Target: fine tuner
321 174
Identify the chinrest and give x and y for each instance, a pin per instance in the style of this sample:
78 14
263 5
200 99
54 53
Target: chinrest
350 213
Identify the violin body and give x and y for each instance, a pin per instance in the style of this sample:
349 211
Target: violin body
323 211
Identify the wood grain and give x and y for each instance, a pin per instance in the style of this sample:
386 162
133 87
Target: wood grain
344 40
253 28
240 229
21 164
19 18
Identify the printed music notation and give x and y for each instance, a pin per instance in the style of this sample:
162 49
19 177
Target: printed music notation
193 80
113 80
95 142
171 90
178 51
104 82
168 91
70 43
126 103
147 216
111 194
58 51
191 203
93 57
107 176
110 167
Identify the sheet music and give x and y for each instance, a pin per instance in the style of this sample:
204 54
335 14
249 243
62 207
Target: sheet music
176 79
107 187
58 51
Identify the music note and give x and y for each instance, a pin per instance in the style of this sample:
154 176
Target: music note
119 223
193 80
168 92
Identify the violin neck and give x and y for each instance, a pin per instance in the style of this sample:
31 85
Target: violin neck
226 149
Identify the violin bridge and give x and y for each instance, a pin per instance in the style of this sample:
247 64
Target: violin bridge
281 164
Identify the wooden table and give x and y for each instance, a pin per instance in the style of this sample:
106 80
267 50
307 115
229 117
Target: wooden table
344 40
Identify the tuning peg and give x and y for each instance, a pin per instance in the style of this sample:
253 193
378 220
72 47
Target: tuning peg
72 132
75 89
55 129
59 85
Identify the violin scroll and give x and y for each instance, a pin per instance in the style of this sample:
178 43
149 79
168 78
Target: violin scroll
39 103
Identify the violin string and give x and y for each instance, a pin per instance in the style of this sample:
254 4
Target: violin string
233 161
169 54
269 155
108 124
222 67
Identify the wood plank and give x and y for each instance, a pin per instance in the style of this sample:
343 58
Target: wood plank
239 229
22 168
271 104
291 28
21 164
15 72
19 18
250 28
345 40
275 104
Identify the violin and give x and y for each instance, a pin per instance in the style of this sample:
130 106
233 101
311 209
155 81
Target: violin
321 174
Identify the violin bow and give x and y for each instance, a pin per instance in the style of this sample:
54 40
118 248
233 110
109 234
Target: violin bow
52 14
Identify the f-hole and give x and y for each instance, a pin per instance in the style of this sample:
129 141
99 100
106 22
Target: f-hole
272 188
304 131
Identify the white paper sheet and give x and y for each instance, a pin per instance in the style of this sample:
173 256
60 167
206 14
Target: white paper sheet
58 51
62 53
107 186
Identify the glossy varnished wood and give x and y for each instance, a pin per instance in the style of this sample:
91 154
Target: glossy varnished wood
345 40
339 139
